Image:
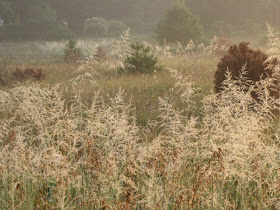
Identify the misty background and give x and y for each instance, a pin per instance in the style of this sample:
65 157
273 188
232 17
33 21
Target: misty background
65 19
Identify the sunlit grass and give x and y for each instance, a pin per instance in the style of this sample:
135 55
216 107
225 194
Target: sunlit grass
136 141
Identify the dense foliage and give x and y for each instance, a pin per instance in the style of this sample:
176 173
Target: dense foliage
252 61
96 26
3 66
116 27
29 73
56 17
140 60
144 14
236 15
31 20
179 25
71 52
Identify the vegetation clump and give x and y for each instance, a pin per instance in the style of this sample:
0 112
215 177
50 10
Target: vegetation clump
220 44
255 63
29 73
179 25
101 54
116 27
140 60
71 53
3 65
96 26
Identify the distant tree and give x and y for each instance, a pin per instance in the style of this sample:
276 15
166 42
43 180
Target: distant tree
31 20
236 12
77 11
179 25
116 27
96 26
7 12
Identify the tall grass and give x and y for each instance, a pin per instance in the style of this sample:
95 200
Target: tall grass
54 156
222 154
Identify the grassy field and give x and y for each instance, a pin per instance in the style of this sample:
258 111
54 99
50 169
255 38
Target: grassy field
162 140
142 90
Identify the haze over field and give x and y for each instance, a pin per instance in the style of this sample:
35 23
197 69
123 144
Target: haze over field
139 104
56 19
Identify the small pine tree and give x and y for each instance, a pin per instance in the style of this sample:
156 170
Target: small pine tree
140 60
71 52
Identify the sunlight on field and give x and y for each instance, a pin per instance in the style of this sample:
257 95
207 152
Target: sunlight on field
119 123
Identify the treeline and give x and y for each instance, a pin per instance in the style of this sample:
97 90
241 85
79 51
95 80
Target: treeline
31 20
141 15
236 15
55 19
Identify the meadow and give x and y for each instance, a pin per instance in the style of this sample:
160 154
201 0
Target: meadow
89 137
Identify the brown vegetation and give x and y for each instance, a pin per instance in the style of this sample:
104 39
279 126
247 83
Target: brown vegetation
29 73
257 68
101 53
3 65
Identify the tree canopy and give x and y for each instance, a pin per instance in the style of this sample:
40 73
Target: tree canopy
142 15
179 25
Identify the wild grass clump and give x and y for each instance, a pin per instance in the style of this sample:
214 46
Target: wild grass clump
121 48
220 44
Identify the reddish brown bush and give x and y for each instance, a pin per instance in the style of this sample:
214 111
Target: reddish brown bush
236 57
18 73
29 73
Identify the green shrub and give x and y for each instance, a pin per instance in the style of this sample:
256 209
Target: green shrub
116 27
71 52
140 60
179 25
96 26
